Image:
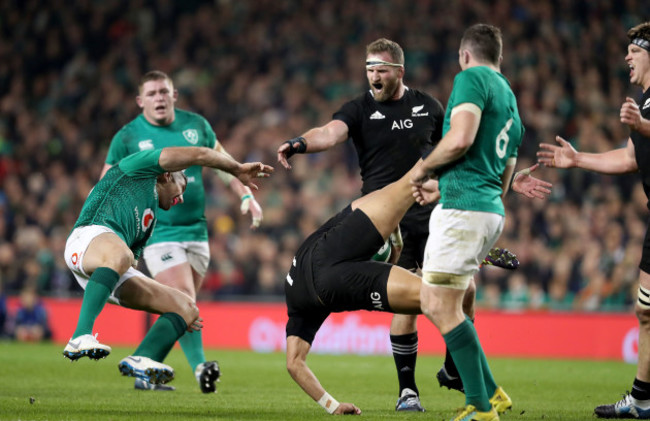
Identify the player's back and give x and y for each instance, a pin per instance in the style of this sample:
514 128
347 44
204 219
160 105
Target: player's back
474 181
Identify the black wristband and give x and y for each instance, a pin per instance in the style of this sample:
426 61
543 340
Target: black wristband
296 145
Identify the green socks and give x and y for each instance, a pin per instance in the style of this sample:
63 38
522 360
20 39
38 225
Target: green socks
464 346
99 288
161 337
192 345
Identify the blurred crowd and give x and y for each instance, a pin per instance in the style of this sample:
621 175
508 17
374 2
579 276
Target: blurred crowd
265 71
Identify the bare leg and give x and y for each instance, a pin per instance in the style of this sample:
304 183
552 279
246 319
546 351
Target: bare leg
387 206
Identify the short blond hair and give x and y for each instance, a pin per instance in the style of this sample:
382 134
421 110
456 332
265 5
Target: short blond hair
383 45
154 75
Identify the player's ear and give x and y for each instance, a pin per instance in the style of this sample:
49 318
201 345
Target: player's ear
465 56
175 96
165 177
138 100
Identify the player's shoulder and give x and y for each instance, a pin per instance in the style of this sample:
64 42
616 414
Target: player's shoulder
481 74
359 101
129 130
419 95
185 115
132 125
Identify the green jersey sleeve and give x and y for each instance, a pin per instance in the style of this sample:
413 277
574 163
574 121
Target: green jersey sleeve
210 136
119 147
142 164
470 88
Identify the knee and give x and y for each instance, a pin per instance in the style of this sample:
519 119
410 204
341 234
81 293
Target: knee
119 262
468 299
643 315
430 309
294 366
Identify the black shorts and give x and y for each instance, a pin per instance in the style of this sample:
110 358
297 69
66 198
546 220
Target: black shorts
645 256
415 232
333 273
415 241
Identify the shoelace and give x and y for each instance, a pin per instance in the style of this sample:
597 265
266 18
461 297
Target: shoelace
623 402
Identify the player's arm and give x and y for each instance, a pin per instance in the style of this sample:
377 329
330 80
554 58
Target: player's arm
297 350
178 158
464 123
314 140
248 202
563 155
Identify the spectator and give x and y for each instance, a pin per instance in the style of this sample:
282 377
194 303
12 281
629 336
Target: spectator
30 323
67 74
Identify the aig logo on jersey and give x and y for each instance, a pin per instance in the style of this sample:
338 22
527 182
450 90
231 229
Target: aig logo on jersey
147 219
191 135
402 124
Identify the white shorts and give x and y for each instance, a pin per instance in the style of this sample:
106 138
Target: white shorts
75 248
162 256
458 242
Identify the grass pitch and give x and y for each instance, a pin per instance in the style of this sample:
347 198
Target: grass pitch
258 387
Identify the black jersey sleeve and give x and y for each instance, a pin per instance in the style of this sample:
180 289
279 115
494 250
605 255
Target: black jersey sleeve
350 113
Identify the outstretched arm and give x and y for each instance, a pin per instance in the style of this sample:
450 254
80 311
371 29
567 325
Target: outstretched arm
314 140
297 350
178 158
563 155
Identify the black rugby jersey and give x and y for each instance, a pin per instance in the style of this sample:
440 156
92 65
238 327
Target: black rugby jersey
642 147
391 136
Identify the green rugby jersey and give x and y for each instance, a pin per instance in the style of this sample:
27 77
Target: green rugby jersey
185 221
474 181
126 200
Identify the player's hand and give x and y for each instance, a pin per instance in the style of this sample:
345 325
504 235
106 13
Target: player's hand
251 170
196 325
289 148
250 204
347 409
554 156
282 155
630 114
427 192
530 186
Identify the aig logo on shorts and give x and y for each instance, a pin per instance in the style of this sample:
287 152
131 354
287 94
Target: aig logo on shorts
376 300
147 219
